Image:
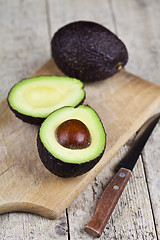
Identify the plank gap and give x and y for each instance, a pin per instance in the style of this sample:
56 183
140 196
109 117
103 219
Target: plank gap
48 19
149 195
113 17
67 218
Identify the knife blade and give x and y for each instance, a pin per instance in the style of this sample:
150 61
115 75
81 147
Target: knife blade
113 191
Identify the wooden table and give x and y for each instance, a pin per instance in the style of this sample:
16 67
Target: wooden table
26 28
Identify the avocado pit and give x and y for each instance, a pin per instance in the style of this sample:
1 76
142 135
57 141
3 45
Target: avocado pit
78 156
73 134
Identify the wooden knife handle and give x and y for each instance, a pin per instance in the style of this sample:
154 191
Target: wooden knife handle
107 203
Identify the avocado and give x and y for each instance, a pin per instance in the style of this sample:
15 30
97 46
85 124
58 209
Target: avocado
33 99
73 134
88 51
71 141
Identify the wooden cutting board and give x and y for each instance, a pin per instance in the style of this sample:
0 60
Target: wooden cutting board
123 103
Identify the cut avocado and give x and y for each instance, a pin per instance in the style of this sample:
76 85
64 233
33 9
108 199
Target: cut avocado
88 51
33 99
66 161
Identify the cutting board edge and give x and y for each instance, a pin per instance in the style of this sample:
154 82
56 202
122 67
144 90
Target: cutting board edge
26 206
54 213
113 151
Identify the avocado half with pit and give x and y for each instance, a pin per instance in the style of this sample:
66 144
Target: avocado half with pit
88 51
71 141
33 99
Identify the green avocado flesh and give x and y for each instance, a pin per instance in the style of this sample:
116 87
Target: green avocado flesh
83 113
66 162
39 96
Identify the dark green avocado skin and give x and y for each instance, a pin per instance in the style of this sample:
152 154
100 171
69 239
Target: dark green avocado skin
64 169
26 118
88 51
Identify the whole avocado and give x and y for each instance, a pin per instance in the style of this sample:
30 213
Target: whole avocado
88 51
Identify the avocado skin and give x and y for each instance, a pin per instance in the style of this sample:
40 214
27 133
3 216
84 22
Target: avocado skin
87 51
64 169
30 119
26 118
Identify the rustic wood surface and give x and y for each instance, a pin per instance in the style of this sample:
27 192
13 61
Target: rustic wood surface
26 185
26 28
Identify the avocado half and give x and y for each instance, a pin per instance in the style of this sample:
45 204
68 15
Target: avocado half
88 51
33 99
65 162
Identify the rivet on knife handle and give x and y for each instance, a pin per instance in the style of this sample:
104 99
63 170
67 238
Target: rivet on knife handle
107 203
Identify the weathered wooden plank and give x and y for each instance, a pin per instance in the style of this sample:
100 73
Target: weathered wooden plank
138 26
24 41
24 48
131 217
89 196
20 226
122 225
141 34
151 161
21 66
62 12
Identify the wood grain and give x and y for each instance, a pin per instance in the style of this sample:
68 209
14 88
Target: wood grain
144 50
152 166
25 47
136 22
26 185
107 203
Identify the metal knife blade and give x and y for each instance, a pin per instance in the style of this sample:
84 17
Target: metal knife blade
130 159
113 191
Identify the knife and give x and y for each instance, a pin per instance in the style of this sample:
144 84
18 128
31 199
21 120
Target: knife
113 191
